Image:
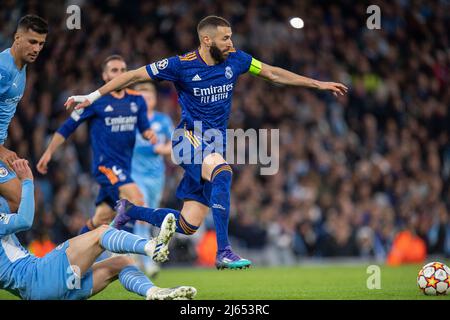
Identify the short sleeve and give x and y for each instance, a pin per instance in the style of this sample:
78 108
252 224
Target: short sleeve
243 61
5 82
165 69
76 118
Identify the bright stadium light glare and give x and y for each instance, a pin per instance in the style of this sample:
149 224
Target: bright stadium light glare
296 23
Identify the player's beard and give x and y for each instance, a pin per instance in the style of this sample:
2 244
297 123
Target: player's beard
216 54
25 56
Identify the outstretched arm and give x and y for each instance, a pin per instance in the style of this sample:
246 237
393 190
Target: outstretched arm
57 140
282 76
23 220
62 134
122 81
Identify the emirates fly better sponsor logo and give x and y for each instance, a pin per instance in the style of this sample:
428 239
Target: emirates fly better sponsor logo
120 124
213 93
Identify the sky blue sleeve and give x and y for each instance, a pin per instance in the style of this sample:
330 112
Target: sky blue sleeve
165 69
76 118
23 219
143 123
5 82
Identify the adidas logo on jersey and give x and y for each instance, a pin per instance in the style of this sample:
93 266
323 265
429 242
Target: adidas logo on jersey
108 108
196 78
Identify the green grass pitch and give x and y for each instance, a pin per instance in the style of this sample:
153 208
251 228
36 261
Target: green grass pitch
327 281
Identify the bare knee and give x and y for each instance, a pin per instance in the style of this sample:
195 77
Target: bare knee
132 193
209 163
194 213
137 199
101 230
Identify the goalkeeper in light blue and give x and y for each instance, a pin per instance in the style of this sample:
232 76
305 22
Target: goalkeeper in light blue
205 80
69 272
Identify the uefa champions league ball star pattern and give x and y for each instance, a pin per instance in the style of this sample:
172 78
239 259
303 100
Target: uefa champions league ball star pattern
434 279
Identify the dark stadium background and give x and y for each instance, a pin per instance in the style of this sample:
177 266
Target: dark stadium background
355 172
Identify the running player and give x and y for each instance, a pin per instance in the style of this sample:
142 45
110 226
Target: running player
69 272
114 120
205 80
147 164
29 40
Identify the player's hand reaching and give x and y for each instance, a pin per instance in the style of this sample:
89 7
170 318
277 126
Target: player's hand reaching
22 169
336 88
150 136
7 156
77 102
80 102
43 162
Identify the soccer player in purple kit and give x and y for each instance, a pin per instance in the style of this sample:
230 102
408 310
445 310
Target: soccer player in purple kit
205 80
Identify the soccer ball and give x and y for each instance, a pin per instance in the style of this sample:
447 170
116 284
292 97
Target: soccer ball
434 279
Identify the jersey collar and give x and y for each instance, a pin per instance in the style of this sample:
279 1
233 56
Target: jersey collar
199 56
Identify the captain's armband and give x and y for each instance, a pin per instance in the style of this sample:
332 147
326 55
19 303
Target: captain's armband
255 67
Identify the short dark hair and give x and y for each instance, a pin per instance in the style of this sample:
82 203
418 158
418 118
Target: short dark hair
110 58
33 22
212 21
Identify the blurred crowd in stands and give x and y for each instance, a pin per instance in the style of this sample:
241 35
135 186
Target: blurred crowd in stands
363 175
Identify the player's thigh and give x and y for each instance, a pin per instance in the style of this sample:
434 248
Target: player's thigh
106 271
209 163
84 249
55 276
11 190
194 212
104 214
132 193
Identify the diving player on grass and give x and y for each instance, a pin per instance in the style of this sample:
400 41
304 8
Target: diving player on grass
69 272
205 79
